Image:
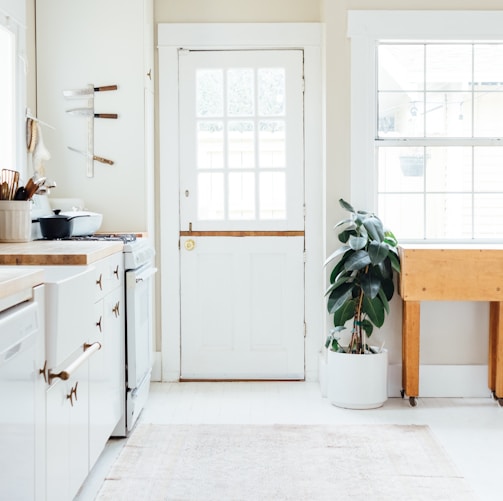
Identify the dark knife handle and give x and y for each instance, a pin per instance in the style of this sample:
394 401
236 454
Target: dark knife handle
105 87
103 160
105 115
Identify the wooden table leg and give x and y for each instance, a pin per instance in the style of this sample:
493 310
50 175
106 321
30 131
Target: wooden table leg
495 373
410 348
493 328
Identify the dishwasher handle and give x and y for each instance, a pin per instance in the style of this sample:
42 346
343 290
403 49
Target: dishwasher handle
65 374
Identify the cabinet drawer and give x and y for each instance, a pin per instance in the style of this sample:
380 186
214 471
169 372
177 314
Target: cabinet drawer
69 312
109 274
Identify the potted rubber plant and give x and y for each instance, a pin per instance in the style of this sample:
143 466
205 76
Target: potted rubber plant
361 286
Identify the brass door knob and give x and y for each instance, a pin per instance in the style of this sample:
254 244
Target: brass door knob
189 244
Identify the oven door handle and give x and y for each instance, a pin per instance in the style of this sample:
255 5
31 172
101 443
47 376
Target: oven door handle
145 275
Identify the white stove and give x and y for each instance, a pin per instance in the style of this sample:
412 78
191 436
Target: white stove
137 253
139 298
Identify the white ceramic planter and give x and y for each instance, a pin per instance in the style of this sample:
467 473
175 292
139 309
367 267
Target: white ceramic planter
358 381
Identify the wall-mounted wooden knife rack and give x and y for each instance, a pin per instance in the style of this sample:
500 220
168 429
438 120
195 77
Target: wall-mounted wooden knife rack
89 112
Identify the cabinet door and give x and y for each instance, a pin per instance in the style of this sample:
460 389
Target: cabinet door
107 368
67 435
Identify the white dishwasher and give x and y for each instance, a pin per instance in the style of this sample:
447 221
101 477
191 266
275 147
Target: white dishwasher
22 395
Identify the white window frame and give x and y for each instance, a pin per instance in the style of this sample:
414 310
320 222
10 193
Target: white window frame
365 29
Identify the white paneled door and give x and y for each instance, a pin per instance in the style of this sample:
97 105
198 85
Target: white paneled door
241 214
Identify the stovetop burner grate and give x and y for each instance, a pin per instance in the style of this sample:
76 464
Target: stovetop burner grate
124 237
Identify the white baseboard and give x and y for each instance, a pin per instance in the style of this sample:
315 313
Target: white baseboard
450 381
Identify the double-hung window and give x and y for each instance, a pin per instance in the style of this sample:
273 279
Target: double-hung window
431 153
12 87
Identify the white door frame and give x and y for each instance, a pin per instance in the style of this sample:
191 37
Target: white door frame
228 36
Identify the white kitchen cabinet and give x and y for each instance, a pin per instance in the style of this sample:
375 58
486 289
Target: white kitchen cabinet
67 435
87 304
100 42
107 367
69 317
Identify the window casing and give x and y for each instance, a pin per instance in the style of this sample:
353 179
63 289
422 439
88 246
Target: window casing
431 156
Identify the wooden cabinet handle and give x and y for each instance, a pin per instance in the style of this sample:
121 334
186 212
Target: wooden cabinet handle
43 371
116 272
98 324
73 393
115 309
99 282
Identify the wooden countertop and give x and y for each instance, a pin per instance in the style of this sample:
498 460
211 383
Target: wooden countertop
14 280
57 252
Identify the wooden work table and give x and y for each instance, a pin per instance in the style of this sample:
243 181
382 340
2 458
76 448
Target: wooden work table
450 273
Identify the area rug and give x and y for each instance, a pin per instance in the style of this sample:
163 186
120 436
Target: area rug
283 462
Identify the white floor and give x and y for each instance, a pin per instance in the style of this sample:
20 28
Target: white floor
470 430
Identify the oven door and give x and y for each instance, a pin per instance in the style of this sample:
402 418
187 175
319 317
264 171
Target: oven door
139 336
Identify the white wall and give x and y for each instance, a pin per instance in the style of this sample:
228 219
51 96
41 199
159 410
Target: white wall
437 327
443 325
226 11
14 8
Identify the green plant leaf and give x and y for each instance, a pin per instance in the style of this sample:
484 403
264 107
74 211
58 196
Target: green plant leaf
375 228
374 309
338 252
341 279
349 222
395 262
346 312
378 252
357 260
390 238
371 285
339 296
367 327
384 300
388 288
336 270
384 269
356 242
346 205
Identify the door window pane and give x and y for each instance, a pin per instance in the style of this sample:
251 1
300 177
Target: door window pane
272 195
210 145
240 92
272 144
271 91
209 93
241 195
241 145
210 196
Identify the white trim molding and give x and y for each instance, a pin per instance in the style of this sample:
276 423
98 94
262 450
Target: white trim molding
229 36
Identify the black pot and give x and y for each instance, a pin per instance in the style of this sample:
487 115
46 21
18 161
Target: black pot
57 226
